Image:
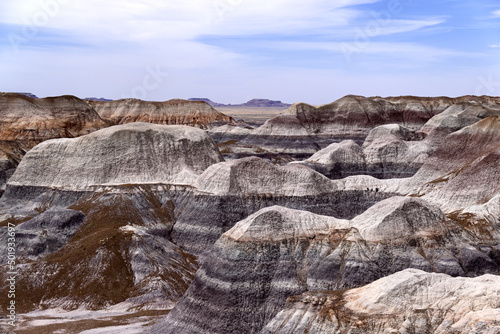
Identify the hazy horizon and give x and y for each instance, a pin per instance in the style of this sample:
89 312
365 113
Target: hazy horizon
231 51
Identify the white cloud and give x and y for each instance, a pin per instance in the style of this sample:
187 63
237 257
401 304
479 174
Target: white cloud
494 45
118 39
496 13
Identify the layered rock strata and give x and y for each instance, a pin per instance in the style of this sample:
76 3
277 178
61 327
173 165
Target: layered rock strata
391 150
25 121
410 301
351 117
277 252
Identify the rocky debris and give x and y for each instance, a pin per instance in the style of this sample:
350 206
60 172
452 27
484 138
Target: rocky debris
173 112
25 121
136 153
228 192
276 252
7 168
44 234
481 214
410 301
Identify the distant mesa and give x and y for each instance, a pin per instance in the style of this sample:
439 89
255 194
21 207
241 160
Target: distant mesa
97 99
254 103
210 102
33 96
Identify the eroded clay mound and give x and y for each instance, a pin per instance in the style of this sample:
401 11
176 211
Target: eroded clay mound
410 301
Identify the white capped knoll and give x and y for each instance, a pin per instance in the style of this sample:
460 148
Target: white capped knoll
338 160
135 153
258 176
408 302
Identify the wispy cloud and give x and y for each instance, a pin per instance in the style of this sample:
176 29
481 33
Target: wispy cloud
232 47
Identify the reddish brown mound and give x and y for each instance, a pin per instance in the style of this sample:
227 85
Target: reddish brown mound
173 112
25 122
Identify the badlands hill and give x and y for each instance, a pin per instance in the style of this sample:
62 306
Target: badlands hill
136 153
173 112
277 252
410 301
304 128
140 217
25 121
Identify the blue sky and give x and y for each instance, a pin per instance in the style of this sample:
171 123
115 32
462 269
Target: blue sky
312 51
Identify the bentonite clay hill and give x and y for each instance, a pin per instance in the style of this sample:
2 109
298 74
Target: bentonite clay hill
391 224
27 121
